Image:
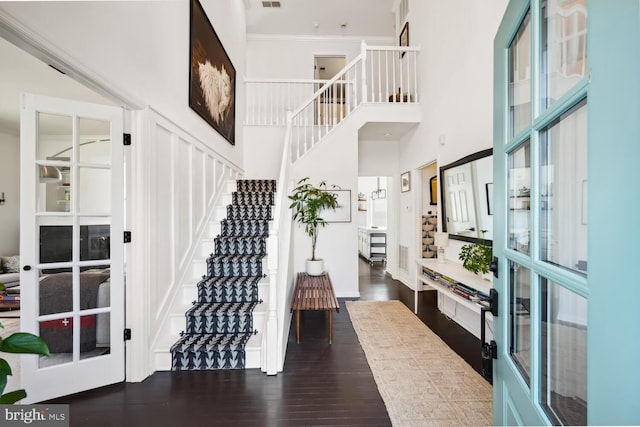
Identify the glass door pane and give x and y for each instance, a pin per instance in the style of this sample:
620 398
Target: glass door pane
520 318
519 185
563 354
563 190
520 79
564 48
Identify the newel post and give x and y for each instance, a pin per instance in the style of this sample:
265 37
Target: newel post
271 349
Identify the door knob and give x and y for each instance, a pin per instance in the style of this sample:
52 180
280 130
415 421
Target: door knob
26 268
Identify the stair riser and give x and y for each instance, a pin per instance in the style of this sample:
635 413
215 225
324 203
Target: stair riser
201 361
190 294
253 359
239 228
178 320
235 267
248 212
219 324
253 199
206 351
241 246
225 294
256 186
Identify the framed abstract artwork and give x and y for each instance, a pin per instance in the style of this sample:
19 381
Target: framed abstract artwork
212 77
342 212
433 190
405 182
404 36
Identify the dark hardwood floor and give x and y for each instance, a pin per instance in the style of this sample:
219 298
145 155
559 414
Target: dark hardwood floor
321 384
376 285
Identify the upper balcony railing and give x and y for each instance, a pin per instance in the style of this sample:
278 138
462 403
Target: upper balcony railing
385 71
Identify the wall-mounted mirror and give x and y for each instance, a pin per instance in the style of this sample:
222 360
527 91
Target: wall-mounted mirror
467 195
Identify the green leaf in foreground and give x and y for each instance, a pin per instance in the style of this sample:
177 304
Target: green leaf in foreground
12 397
24 342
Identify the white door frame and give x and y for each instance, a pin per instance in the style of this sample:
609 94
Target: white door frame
137 351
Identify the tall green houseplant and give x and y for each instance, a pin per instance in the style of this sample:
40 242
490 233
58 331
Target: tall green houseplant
307 203
19 342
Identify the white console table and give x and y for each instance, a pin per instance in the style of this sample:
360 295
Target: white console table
458 308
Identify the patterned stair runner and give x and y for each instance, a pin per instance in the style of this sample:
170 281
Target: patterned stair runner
220 323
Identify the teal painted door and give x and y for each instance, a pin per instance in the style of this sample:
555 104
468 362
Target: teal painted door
567 222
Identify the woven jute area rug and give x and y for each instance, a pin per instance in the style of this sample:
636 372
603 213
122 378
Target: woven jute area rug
421 380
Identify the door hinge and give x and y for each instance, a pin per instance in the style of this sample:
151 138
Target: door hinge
127 237
494 266
126 139
127 334
489 352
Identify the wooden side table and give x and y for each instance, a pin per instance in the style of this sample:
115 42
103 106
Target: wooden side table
314 293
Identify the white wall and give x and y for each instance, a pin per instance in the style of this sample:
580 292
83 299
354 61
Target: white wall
10 185
377 158
142 50
263 155
457 95
291 57
337 243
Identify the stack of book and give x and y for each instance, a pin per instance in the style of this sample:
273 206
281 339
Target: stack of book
9 298
465 291
447 281
430 273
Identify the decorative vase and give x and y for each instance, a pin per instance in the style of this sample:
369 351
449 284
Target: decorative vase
315 267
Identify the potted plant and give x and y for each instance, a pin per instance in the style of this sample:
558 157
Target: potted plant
308 201
19 342
477 256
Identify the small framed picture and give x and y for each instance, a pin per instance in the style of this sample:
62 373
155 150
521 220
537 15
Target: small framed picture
433 187
405 182
404 36
342 213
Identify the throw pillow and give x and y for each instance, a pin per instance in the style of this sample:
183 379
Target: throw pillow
11 264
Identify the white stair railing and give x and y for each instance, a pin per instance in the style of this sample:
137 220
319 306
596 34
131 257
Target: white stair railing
371 77
269 100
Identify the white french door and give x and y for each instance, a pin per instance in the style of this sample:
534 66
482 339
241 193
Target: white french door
71 244
566 131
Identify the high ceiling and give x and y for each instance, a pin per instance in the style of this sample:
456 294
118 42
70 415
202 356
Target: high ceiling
363 18
21 72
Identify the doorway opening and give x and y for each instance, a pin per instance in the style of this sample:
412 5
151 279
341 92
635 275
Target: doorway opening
330 107
429 210
29 74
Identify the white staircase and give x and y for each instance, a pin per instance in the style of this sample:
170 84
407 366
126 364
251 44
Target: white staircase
188 293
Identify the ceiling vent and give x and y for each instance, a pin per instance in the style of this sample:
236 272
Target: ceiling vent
270 4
